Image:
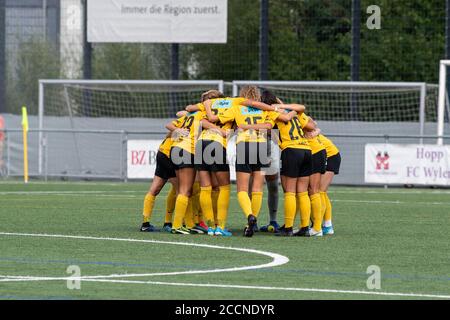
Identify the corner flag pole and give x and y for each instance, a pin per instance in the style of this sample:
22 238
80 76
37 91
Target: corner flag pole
25 143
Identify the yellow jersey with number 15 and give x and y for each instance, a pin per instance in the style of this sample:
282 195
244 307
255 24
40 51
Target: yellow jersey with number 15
247 115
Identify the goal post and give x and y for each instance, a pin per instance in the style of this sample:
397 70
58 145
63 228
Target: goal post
442 99
111 104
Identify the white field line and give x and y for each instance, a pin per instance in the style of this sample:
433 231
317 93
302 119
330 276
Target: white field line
118 195
228 286
277 259
393 202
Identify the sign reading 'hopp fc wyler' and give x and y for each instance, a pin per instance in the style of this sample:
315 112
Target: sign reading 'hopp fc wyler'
407 164
157 21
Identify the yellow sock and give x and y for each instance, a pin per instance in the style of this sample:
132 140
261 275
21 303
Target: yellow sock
256 202
206 205
245 203
223 202
290 208
304 204
180 211
196 202
215 197
316 208
328 211
189 216
170 204
149 202
324 203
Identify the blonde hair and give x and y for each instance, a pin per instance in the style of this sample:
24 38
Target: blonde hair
211 94
250 92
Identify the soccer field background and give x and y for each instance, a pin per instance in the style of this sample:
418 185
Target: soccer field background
402 231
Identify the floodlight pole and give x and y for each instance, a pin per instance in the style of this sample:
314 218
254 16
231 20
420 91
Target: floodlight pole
87 47
356 52
264 41
2 56
175 61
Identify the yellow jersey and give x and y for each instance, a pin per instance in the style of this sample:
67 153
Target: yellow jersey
218 107
331 148
291 133
190 121
314 143
247 115
166 145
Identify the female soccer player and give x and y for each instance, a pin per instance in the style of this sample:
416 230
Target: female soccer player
182 155
332 168
319 158
251 149
295 159
165 171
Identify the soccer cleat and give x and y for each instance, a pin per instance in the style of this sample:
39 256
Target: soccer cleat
255 228
273 227
249 229
222 232
203 225
303 232
328 230
314 233
210 231
147 227
181 230
200 229
285 232
167 227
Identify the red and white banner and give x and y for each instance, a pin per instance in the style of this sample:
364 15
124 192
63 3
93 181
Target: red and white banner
407 164
141 158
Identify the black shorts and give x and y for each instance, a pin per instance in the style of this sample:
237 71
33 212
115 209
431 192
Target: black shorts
211 156
164 167
319 162
334 163
181 158
296 163
251 156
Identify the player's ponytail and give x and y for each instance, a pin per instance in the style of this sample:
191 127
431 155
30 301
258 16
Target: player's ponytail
211 94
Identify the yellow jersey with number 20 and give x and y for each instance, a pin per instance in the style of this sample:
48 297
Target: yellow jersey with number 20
314 143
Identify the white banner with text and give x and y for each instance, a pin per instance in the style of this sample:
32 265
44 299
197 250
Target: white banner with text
407 164
157 21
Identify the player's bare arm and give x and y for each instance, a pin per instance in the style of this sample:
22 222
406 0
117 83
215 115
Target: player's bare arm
211 126
209 114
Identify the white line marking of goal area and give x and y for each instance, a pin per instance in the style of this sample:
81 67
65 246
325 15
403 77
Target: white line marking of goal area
277 259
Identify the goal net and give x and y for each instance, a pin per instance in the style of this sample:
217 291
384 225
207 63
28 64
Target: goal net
85 123
356 113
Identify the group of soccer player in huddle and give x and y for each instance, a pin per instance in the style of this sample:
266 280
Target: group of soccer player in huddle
193 159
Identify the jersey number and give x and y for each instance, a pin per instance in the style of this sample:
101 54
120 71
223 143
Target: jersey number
297 127
188 123
255 120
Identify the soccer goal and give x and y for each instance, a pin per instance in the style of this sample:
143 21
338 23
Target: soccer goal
82 123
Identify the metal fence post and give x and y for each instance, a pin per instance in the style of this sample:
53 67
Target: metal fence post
45 148
386 141
8 155
123 156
